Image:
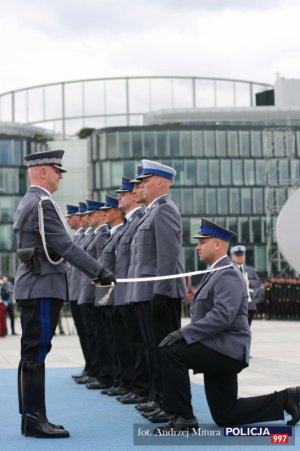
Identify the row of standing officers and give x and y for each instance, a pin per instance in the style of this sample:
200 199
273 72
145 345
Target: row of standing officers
120 331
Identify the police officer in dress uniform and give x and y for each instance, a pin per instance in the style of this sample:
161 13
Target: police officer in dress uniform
123 322
41 285
104 302
86 297
238 256
156 251
74 222
217 343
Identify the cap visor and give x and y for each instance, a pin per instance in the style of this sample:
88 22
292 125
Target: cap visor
61 169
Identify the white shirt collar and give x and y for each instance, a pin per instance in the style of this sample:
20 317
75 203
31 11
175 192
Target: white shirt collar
44 189
115 228
151 204
78 231
214 263
130 213
99 227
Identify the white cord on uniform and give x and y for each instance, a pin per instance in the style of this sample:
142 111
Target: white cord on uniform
42 227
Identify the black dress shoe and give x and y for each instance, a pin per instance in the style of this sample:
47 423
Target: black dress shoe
85 380
151 413
147 407
106 390
96 385
117 391
177 424
292 404
37 426
160 417
78 375
132 399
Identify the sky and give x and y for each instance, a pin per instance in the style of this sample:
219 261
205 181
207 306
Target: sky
58 40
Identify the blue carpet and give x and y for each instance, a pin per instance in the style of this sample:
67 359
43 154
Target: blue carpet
96 422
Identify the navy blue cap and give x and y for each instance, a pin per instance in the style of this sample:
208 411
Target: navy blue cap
126 186
154 168
209 229
110 202
71 210
48 158
93 205
239 249
82 208
139 171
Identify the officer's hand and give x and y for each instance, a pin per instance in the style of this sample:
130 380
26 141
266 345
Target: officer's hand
158 305
171 339
106 277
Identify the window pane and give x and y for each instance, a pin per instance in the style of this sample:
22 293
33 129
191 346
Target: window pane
174 144
284 173
221 143
190 172
124 145
161 138
244 144
117 173
214 173
237 172
176 197
197 143
106 176
256 230
246 200
235 207
6 152
137 144
112 150
222 201
209 144
226 172
244 230
202 172
186 143
179 168
199 199
258 200
149 144
211 202
187 202
260 172
256 147
249 172
233 147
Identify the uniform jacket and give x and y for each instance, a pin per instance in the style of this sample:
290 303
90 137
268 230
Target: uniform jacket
52 282
73 272
255 285
93 247
219 315
156 251
108 261
123 257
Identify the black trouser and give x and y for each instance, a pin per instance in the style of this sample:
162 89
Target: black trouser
39 318
107 313
250 316
221 386
10 309
91 338
106 373
154 327
77 317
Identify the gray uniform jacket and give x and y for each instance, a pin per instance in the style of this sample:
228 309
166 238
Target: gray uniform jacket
52 282
156 251
123 257
220 313
255 285
108 258
93 248
73 272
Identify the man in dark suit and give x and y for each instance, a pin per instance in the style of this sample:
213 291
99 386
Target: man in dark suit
41 284
238 256
217 343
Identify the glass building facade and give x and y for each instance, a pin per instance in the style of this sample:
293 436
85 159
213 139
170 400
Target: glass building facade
13 185
221 175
